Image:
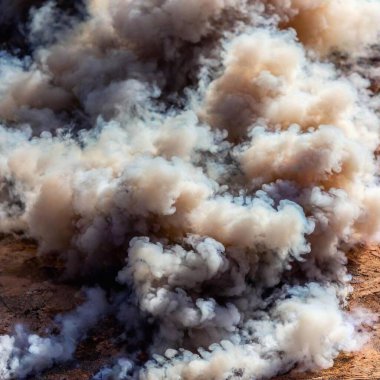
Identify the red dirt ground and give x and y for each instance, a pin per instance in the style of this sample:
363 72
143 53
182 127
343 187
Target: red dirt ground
30 293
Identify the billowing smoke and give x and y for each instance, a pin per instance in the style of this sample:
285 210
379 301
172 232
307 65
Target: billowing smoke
215 156
26 353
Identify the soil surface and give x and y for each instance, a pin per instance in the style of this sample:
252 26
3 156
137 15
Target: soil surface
31 293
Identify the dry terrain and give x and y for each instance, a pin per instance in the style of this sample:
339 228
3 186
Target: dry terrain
31 292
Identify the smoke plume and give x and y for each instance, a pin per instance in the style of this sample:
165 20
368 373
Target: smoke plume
214 155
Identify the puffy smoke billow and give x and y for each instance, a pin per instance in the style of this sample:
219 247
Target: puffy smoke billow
214 153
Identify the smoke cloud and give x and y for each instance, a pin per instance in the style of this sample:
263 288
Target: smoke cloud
216 154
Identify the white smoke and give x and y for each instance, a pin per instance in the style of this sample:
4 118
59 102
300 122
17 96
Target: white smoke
25 353
217 157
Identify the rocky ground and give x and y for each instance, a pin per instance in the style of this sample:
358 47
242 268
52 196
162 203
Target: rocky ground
31 293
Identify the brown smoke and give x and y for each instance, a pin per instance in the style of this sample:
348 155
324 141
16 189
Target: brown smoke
214 153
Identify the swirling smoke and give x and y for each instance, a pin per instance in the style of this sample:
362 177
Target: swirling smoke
216 156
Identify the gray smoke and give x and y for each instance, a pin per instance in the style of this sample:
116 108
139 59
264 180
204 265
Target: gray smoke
24 353
215 154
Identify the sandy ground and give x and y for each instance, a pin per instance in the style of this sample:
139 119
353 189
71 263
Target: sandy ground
31 293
